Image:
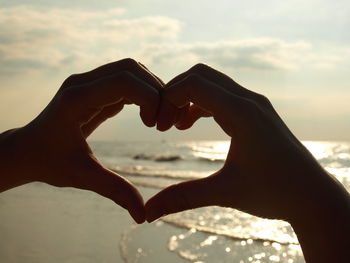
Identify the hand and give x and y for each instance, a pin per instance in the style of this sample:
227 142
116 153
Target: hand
267 173
53 149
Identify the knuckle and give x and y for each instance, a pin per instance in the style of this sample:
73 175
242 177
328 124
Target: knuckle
191 86
71 80
151 100
167 94
200 67
153 97
262 100
128 63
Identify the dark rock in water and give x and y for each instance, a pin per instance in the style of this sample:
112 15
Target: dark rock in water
167 158
142 156
157 158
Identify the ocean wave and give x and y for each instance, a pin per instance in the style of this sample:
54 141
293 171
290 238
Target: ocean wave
229 235
176 157
194 245
199 246
138 170
151 182
210 159
234 224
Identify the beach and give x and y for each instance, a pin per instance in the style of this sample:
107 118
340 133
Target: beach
42 223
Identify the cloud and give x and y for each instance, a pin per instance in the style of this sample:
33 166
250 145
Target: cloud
55 39
33 39
50 43
253 54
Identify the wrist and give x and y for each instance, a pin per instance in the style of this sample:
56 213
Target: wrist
326 198
322 226
12 160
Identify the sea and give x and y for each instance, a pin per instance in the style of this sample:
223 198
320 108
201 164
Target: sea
41 223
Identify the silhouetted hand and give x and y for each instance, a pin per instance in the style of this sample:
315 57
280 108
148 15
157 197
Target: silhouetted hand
53 149
267 173
264 173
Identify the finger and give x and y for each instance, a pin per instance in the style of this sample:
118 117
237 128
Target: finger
217 77
150 72
227 109
182 196
92 97
127 64
182 112
94 177
190 116
112 68
102 116
167 115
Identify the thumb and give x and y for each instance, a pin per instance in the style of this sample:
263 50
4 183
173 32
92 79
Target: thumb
182 196
190 116
107 112
106 183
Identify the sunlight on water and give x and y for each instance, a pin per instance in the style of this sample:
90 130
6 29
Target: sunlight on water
320 150
328 150
334 157
217 234
205 235
186 246
211 233
196 246
211 150
234 224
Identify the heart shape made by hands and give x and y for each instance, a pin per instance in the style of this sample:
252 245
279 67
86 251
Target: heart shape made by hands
255 178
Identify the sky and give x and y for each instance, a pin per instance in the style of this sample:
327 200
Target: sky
297 53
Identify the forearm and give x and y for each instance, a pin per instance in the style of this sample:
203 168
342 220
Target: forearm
324 230
11 174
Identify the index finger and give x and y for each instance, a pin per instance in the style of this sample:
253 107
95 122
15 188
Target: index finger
127 64
183 196
217 77
80 102
227 108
